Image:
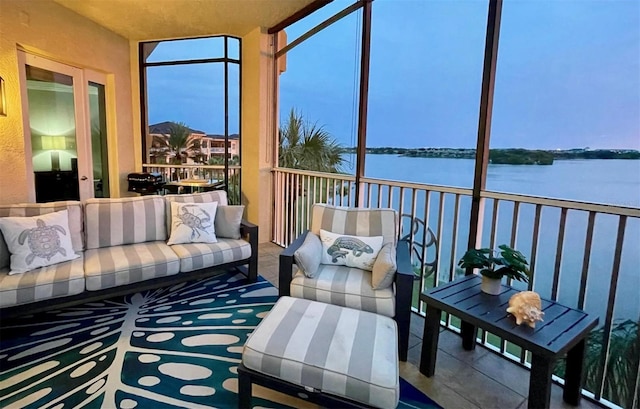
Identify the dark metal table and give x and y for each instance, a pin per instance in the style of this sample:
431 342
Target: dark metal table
564 330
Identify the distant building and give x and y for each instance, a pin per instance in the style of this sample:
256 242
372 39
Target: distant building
208 145
213 145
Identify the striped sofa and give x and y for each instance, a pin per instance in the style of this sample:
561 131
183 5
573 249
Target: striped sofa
352 287
122 248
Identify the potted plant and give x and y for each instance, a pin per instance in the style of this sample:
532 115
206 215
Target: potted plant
495 264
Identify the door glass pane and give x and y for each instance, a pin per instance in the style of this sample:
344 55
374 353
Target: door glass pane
53 134
98 121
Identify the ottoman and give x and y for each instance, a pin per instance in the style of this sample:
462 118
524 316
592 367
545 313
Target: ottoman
329 355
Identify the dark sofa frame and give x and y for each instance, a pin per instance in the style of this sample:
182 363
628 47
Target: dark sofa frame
403 281
248 266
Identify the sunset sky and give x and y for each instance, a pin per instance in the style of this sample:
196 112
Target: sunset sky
568 75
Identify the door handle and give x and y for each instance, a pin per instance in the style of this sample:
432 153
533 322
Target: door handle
84 178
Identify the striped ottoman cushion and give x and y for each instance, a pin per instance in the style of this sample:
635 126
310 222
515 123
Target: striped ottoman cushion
194 256
120 265
345 286
57 280
336 350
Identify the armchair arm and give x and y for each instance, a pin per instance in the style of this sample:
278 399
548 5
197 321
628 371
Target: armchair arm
250 232
285 273
404 294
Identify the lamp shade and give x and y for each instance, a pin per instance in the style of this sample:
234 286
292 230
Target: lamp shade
53 142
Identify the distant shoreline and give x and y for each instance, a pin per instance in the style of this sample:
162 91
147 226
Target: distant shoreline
507 156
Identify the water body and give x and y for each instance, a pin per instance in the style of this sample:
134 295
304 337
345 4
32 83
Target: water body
615 182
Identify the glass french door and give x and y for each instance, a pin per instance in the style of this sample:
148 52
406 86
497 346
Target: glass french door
65 130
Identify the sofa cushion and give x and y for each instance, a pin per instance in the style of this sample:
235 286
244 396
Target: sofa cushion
309 255
353 251
112 222
344 286
219 196
120 265
192 223
73 208
385 267
194 256
355 221
228 220
37 241
44 283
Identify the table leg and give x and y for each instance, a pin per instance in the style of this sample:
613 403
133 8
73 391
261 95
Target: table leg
469 334
430 341
573 374
540 382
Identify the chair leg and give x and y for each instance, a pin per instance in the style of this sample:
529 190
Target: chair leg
404 292
285 275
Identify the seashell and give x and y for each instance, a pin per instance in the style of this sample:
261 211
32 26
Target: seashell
526 307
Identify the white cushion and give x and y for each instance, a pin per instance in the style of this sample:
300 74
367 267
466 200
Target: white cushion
309 254
384 269
37 241
228 220
352 251
193 223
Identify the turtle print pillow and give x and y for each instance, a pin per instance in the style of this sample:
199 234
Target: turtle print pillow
37 241
193 223
352 251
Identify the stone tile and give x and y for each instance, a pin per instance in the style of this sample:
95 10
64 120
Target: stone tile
557 402
417 324
434 388
451 343
473 385
501 370
413 355
414 340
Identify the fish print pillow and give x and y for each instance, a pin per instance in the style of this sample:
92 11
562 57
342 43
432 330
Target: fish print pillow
193 223
37 241
351 251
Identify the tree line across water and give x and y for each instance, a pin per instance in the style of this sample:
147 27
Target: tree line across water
507 156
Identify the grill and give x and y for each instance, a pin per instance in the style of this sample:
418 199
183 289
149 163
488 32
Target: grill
145 183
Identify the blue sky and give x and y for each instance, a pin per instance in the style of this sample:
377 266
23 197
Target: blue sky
568 75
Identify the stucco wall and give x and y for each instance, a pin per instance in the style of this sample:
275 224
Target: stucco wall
50 30
257 149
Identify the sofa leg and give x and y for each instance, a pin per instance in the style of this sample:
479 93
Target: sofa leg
253 269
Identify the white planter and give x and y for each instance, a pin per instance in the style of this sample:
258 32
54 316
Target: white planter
491 285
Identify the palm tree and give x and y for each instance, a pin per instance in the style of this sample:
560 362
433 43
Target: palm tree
305 145
622 363
179 143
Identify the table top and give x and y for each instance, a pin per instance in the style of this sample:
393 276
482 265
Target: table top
561 329
193 183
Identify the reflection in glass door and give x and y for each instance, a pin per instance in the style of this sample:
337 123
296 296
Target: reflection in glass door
56 131
98 126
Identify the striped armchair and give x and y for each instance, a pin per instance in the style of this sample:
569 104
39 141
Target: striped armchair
349 286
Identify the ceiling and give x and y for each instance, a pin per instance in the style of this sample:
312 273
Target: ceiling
162 19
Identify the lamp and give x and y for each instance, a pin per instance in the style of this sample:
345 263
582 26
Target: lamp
3 100
53 142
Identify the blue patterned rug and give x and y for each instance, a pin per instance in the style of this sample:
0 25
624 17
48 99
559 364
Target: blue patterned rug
175 347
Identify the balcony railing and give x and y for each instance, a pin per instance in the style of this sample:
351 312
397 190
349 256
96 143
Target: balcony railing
211 173
582 254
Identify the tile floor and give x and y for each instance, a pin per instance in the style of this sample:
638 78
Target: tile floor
463 379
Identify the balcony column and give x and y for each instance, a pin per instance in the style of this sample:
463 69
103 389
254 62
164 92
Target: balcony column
256 145
484 122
